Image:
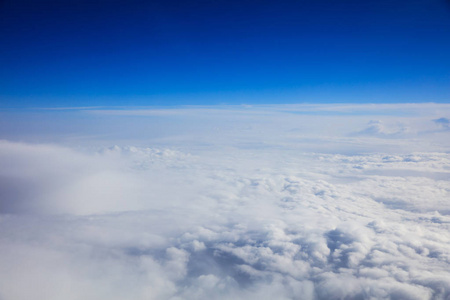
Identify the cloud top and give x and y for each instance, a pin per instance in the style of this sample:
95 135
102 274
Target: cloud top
230 210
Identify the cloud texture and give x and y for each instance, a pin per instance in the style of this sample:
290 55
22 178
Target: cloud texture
230 203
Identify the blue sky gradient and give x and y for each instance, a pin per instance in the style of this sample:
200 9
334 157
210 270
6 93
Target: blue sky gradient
122 53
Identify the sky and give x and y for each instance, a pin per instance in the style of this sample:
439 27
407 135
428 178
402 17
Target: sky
165 53
224 150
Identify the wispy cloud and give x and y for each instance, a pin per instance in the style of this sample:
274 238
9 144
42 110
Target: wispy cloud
444 123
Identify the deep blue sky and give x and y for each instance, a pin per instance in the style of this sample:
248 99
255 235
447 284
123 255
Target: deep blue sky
77 53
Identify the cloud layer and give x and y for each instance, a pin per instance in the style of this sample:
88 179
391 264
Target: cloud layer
260 204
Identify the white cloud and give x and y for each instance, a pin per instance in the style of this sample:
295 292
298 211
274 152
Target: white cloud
377 128
273 205
444 123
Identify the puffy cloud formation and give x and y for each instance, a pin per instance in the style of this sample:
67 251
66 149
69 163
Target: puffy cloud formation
237 203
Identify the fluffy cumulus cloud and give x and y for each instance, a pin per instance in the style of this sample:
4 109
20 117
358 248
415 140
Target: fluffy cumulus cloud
279 202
